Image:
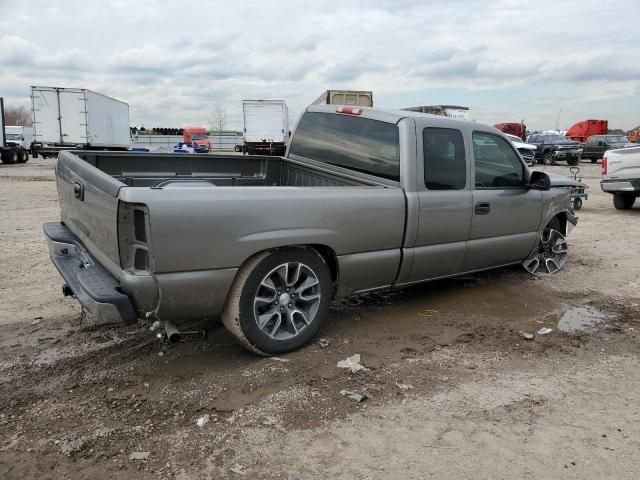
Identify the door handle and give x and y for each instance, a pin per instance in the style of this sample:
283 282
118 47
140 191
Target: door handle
482 208
78 191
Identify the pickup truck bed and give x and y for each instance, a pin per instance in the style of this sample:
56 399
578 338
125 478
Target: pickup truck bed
170 223
163 170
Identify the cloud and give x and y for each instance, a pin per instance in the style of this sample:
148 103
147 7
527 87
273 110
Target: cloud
505 59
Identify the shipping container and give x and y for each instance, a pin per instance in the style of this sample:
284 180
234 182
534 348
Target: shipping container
69 118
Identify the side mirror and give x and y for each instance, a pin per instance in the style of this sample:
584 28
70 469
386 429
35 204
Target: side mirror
539 181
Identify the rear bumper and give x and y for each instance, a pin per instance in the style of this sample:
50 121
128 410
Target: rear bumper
612 186
89 282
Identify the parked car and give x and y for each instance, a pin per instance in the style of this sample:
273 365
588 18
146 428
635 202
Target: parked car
382 198
621 176
526 150
551 148
596 145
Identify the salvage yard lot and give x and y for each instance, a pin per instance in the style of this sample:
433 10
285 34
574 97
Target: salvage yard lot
476 400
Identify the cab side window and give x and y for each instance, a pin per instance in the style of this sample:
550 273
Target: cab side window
445 163
592 141
496 164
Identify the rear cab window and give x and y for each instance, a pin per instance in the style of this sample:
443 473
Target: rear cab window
353 142
445 164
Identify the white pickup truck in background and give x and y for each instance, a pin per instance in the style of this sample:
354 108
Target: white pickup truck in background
621 176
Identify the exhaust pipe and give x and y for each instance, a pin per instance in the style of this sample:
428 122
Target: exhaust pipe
171 332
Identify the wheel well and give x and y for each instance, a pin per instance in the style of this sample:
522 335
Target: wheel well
327 254
562 219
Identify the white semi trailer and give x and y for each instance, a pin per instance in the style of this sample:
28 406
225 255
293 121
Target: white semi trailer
77 118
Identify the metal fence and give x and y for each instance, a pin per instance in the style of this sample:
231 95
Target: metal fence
220 143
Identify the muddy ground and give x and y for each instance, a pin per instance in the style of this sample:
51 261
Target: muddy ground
453 390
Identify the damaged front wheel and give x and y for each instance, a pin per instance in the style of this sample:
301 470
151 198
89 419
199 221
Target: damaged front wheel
550 254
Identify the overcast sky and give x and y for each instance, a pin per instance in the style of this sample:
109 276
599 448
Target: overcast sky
174 61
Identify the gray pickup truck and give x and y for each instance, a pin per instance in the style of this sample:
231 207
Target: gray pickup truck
364 199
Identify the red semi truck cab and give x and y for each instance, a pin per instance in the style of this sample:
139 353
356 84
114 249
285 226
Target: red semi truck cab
581 131
199 137
513 128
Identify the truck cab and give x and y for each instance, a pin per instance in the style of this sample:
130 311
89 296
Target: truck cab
596 145
198 137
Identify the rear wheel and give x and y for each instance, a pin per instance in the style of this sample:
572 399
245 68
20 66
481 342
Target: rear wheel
573 161
279 300
23 156
624 201
594 160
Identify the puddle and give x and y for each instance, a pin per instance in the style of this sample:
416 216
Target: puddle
580 319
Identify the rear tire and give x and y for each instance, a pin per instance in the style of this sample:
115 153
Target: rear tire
594 160
624 201
23 156
269 315
573 161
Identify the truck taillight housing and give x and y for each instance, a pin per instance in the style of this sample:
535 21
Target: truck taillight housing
133 237
604 165
349 110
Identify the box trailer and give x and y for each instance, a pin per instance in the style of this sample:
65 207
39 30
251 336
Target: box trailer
77 118
266 126
360 98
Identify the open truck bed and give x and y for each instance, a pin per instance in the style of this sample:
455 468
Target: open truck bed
143 223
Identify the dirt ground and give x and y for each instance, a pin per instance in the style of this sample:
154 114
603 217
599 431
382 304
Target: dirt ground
453 390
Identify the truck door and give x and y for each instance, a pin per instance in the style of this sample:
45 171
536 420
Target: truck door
506 214
73 116
589 148
445 204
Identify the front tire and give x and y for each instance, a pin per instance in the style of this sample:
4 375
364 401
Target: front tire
279 300
550 255
548 159
623 201
10 157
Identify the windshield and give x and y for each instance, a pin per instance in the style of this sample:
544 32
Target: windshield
198 136
13 136
555 138
617 139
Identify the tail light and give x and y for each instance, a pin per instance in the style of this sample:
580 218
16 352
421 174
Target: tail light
133 237
604 165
